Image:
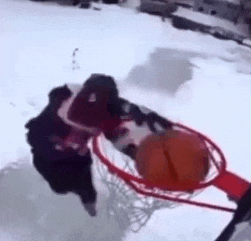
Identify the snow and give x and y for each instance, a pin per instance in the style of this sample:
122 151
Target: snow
188 77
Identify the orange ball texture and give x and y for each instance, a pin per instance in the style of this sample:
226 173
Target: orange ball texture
177 160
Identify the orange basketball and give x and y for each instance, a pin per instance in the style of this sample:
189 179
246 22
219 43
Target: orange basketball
175 159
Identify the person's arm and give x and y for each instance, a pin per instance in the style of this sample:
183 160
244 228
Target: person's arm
46 143
114 135
141 114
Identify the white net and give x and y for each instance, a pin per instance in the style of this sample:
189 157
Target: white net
128 206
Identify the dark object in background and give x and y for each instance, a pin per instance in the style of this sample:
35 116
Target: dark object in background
186 24
242 218
86 5
75 2
160 8
83 3
229 10
110 1
218 32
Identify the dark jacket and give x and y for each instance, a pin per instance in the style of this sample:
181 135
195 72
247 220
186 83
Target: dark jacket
65 170
41 131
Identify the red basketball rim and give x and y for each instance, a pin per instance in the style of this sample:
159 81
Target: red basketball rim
129 177
149 189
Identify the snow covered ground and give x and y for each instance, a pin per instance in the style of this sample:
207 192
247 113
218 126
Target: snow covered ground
188 77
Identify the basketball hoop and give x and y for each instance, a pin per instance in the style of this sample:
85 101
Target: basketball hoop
139 198
129 207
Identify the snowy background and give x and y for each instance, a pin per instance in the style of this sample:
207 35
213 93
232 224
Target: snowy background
188 77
